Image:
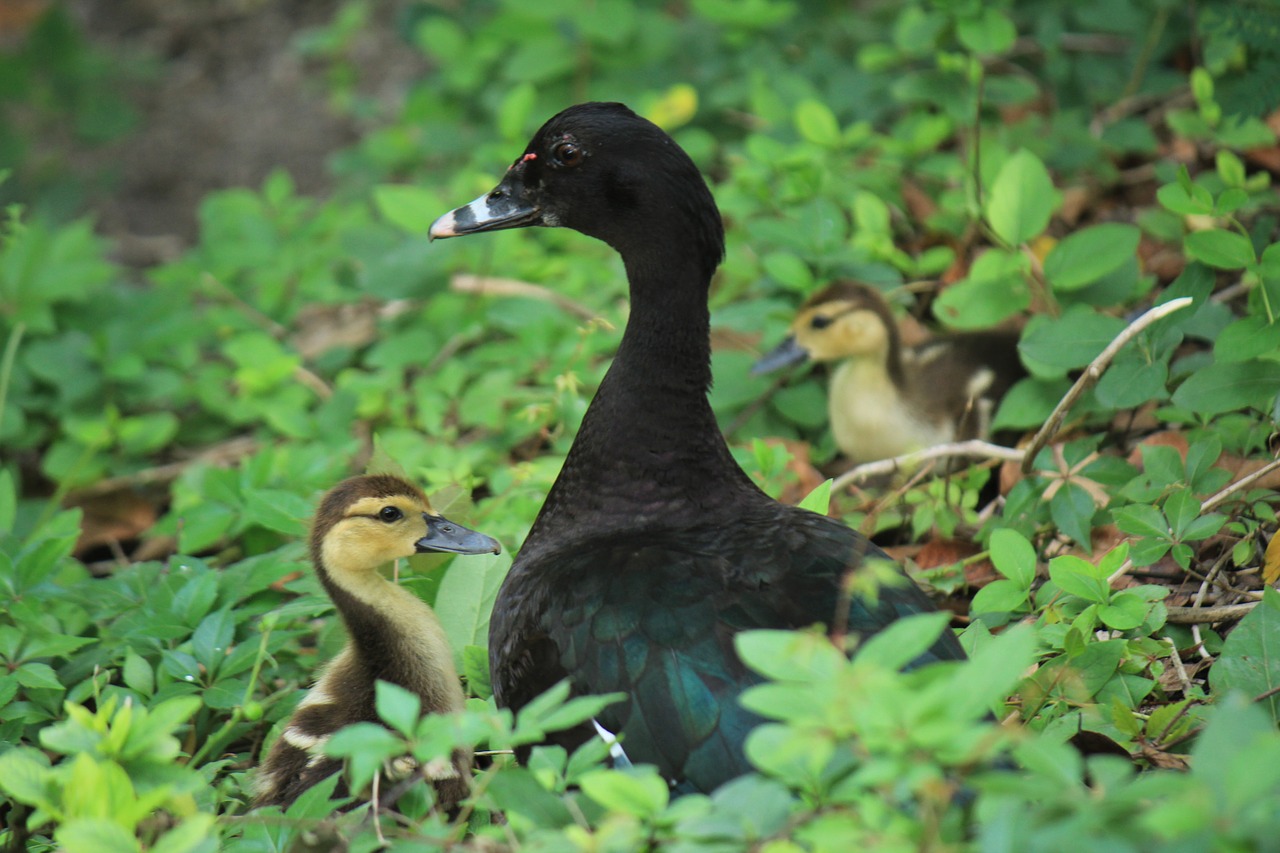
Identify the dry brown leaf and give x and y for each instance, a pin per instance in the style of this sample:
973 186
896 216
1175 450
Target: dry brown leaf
114 518
1271 561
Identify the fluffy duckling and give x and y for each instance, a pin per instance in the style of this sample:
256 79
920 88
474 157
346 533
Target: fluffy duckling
364 523
886 399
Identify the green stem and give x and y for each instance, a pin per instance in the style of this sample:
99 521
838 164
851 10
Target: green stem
6 363
222 735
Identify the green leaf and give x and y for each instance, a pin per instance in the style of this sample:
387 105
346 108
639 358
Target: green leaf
1227 386
1089 254
1072 340
397 707
995 290
138 675
95 835
1190 200
212 637
8 499
1250 659
516 790
465 599
1222 249
988 33
1132 380
409 208
793 755
1124 612
279 510
187 836
818 500
1013 556
642 793
1247 338
1072 509
514 115
903 640
475 669
1021 199
26 777
1079 577
788 269
315 802
789 655
1142 520
817 123
365 746
999 596
38 676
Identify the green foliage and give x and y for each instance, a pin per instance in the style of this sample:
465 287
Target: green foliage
935 149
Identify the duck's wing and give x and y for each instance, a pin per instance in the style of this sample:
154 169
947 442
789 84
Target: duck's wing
655 617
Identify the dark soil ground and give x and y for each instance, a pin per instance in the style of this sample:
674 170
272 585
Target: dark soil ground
226 97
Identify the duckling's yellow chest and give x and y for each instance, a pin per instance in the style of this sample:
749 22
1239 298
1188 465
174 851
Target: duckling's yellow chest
871 419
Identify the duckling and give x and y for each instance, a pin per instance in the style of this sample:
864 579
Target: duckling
886 399
361 524
653 548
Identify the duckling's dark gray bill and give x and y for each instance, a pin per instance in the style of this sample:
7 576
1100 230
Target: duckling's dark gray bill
503 207
786 353
452 538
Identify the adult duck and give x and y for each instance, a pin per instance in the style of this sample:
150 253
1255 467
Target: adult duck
362 524
653 548
885 399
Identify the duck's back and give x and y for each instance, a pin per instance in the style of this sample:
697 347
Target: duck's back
659 622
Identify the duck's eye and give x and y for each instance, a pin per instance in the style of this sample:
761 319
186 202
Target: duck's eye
390 514
820 322
567 154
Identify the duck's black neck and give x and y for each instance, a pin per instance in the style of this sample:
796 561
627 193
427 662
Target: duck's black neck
649 450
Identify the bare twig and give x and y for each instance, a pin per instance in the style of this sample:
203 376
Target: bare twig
1093 373
490 286
1205 615
1178 668
226 452
973 448
1244 482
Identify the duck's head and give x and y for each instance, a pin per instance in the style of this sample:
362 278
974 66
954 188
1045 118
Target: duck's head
368 521
844 320
604 171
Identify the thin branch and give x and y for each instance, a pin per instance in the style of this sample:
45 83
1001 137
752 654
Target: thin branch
224 453
1093 373
1205 615
1242 483
973 448
489 286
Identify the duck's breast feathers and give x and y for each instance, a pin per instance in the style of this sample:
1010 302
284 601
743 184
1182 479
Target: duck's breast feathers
659 626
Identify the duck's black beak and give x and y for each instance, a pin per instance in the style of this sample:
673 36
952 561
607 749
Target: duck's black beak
452 538
507 206
784 354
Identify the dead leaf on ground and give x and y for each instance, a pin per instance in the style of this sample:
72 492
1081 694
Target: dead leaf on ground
1271 561
114 518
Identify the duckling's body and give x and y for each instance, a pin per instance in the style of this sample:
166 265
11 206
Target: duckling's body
363 524
885 399
653 548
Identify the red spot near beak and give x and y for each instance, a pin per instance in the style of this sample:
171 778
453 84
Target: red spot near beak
525 159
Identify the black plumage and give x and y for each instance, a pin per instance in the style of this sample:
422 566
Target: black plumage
654 548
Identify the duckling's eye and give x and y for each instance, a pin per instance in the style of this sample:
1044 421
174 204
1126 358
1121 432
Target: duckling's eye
390 514
820 322
567 154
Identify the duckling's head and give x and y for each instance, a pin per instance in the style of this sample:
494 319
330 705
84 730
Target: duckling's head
844 320
366 522
604 171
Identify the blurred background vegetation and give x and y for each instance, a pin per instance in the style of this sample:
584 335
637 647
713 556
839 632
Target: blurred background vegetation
217 300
